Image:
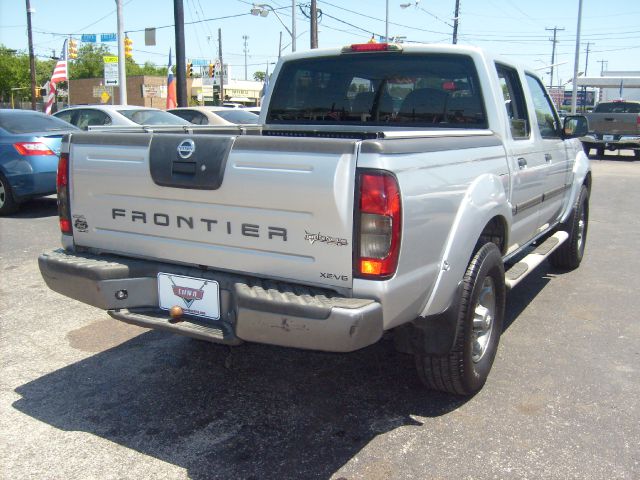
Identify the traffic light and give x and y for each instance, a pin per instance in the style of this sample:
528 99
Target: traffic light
128 47
73 48
211 70
189 70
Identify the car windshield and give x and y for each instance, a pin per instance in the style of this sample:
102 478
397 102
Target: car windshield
393 89
237 116
618 107
152 117
30 122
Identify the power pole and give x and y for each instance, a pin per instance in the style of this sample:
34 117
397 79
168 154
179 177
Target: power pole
455 22
293 25
280 46
245 38
602 64
314 23
586 67
553 51
32 58
181 66
122 72
386 23
574 94
221 65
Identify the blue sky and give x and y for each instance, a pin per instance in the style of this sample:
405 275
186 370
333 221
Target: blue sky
515 28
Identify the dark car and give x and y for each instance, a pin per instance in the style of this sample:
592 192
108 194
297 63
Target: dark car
29 149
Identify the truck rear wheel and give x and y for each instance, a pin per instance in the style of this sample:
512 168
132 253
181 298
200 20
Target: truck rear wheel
570 253
465 369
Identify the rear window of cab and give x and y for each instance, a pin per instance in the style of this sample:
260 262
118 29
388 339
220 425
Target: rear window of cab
389 88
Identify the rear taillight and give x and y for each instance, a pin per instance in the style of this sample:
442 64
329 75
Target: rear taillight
638 120
379 225
62 185
32 148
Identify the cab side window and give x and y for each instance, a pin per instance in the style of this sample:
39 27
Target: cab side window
548 121
514 102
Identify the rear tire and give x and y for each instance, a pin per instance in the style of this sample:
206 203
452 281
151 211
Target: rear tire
569 255
600 151
587 148
464 370
8 204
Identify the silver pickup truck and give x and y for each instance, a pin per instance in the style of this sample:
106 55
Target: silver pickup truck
614 126
388 188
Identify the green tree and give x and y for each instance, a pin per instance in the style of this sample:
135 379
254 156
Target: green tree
259 76
15 73
89 63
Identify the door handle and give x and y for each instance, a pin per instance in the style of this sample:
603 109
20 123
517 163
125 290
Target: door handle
547 157
522 163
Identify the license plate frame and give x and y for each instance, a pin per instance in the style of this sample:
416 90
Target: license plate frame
196 296
608 138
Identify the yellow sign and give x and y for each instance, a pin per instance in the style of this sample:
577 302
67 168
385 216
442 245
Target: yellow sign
110 59
104 97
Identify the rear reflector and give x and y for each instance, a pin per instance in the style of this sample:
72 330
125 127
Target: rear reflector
379 222
32 148
62 186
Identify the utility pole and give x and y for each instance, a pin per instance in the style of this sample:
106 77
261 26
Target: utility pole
280 46
386 23
181 65
32 58
293 25
314 23
553 51
221 65
245 38
586 68
455 22
574 95
122 72
602 64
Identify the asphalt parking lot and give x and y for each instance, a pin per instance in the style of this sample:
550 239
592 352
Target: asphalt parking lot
84 396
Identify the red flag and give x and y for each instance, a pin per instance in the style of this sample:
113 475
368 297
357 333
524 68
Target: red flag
171 86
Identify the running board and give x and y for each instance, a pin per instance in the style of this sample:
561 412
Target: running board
524 267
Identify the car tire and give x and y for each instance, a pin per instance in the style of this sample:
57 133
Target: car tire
587 148
8 205
569 255
464 370
600 151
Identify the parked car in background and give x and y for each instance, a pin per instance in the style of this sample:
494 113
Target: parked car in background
614 126
29 149
86 116
255 110
215 115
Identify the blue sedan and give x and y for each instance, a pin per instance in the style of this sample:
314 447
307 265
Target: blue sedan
29 149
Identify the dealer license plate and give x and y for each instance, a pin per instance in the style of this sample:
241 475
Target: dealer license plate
195 296
607 138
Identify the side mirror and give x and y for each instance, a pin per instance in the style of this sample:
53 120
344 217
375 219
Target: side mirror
575 126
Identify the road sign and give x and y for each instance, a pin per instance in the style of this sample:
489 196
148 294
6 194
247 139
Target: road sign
105 97
108 37
111 71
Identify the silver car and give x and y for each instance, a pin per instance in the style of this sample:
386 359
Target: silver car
216 115
124 115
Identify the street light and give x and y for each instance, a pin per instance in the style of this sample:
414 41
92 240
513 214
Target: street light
262 10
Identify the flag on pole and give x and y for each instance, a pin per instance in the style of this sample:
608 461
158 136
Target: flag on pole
60 74
171 86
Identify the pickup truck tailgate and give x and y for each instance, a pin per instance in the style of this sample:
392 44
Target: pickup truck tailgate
268 206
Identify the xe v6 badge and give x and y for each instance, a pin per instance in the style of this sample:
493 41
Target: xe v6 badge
186 148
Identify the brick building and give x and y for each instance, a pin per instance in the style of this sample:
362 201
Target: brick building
143 90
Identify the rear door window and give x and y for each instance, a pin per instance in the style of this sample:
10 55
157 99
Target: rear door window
514 102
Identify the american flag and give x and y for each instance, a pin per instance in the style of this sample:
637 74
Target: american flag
59 75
